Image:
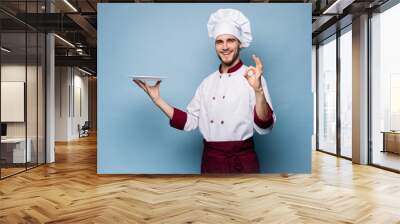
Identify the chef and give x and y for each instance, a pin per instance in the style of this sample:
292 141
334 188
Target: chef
229 104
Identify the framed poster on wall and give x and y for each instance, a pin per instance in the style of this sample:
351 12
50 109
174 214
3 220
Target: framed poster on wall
12 101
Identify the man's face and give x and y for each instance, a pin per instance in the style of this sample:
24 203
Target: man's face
227 47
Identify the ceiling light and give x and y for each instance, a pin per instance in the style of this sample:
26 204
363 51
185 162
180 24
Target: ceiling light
65 41
84 71
5 50
70 5
329 9
338 6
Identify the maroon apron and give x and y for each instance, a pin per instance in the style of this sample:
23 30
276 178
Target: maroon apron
229 157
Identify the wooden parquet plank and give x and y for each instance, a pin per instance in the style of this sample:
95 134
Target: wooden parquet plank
70 191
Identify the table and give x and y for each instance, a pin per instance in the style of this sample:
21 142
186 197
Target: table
391 141
17 149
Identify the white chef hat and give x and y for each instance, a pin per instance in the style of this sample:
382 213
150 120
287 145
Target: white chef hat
230 21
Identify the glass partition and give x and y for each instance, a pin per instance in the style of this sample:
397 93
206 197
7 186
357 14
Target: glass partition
346 93
385 89
327 95
14 153
22 78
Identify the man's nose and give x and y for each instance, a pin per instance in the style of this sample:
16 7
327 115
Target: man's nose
225 46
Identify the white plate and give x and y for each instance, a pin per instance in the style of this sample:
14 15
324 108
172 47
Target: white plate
147 77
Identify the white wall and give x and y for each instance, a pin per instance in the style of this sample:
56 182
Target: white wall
70 84
62 81
80 109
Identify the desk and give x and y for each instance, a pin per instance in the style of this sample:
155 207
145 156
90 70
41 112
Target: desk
17 150
391 141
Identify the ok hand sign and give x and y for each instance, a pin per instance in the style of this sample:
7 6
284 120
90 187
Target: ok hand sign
253 74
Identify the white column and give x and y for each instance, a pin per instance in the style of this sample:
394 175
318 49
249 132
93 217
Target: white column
50 92
360 90
50 110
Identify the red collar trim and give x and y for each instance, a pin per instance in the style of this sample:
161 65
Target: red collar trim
232 69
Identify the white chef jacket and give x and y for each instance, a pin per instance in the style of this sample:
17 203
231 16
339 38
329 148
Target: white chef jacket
223 107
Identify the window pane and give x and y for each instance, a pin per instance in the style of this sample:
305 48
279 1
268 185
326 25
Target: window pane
14 153
386 88
327 96
31 101
345 94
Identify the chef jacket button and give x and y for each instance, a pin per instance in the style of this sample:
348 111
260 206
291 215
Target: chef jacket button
223 97
229 75
213 98
220 76
222 122
211 121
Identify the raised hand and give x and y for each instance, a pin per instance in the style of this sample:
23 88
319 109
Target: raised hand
152 91
253 74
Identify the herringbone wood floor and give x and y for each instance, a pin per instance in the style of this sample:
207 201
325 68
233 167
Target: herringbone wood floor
70 191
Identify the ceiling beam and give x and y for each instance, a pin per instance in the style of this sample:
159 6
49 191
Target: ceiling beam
337 7
85 61
86 26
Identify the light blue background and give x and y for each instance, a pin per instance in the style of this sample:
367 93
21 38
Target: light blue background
134 136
